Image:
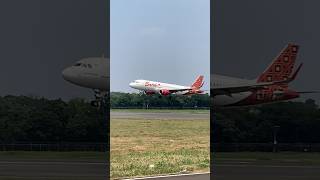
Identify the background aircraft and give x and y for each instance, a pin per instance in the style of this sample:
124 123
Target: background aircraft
153 87
270 86
91 73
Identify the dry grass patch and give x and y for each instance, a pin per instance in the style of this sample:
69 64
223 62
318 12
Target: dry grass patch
153 147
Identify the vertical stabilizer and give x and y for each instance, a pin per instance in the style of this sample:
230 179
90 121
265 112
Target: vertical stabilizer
198 83
282 66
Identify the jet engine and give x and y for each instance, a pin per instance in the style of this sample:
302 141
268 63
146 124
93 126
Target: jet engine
165 92
196 91
149 92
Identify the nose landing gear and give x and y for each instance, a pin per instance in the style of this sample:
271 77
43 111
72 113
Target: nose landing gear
101 99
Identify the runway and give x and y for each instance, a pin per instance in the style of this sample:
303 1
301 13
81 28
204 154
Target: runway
183 115
243 170
97 170
50 169
246 171
196 176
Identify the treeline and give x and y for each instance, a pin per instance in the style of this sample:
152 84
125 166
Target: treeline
134 100
294 122
31 119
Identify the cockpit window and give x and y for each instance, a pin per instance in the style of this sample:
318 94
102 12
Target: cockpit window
83 65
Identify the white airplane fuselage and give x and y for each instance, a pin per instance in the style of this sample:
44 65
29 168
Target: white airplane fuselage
90 73
93 73
225 81
152 87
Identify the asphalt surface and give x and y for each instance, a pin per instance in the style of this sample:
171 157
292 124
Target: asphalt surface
199 176
97 170
159 115
242 170
239 171
42 169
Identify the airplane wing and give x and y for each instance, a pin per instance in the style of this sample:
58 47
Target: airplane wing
177 90
237 89
251 87
188 89
174 90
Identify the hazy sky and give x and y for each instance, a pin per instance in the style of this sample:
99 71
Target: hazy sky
248 34
41 38
165 40
162 40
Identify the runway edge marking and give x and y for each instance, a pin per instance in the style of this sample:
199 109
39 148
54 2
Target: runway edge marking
166 176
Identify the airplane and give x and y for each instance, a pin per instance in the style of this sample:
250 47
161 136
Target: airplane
270 86
165 89
93 73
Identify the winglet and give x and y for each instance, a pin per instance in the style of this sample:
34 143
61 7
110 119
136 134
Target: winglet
294 75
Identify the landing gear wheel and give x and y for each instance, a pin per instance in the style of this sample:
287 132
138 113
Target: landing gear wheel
101 99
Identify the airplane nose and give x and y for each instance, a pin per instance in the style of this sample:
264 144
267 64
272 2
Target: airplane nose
67 75
133 85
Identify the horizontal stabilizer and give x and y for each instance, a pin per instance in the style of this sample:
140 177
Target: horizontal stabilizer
308 92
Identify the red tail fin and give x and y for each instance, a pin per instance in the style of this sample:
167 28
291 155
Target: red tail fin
282 66
198 83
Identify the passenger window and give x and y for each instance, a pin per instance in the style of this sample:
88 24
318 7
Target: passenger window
89 65
84 65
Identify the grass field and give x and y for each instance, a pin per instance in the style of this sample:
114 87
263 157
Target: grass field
154 147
